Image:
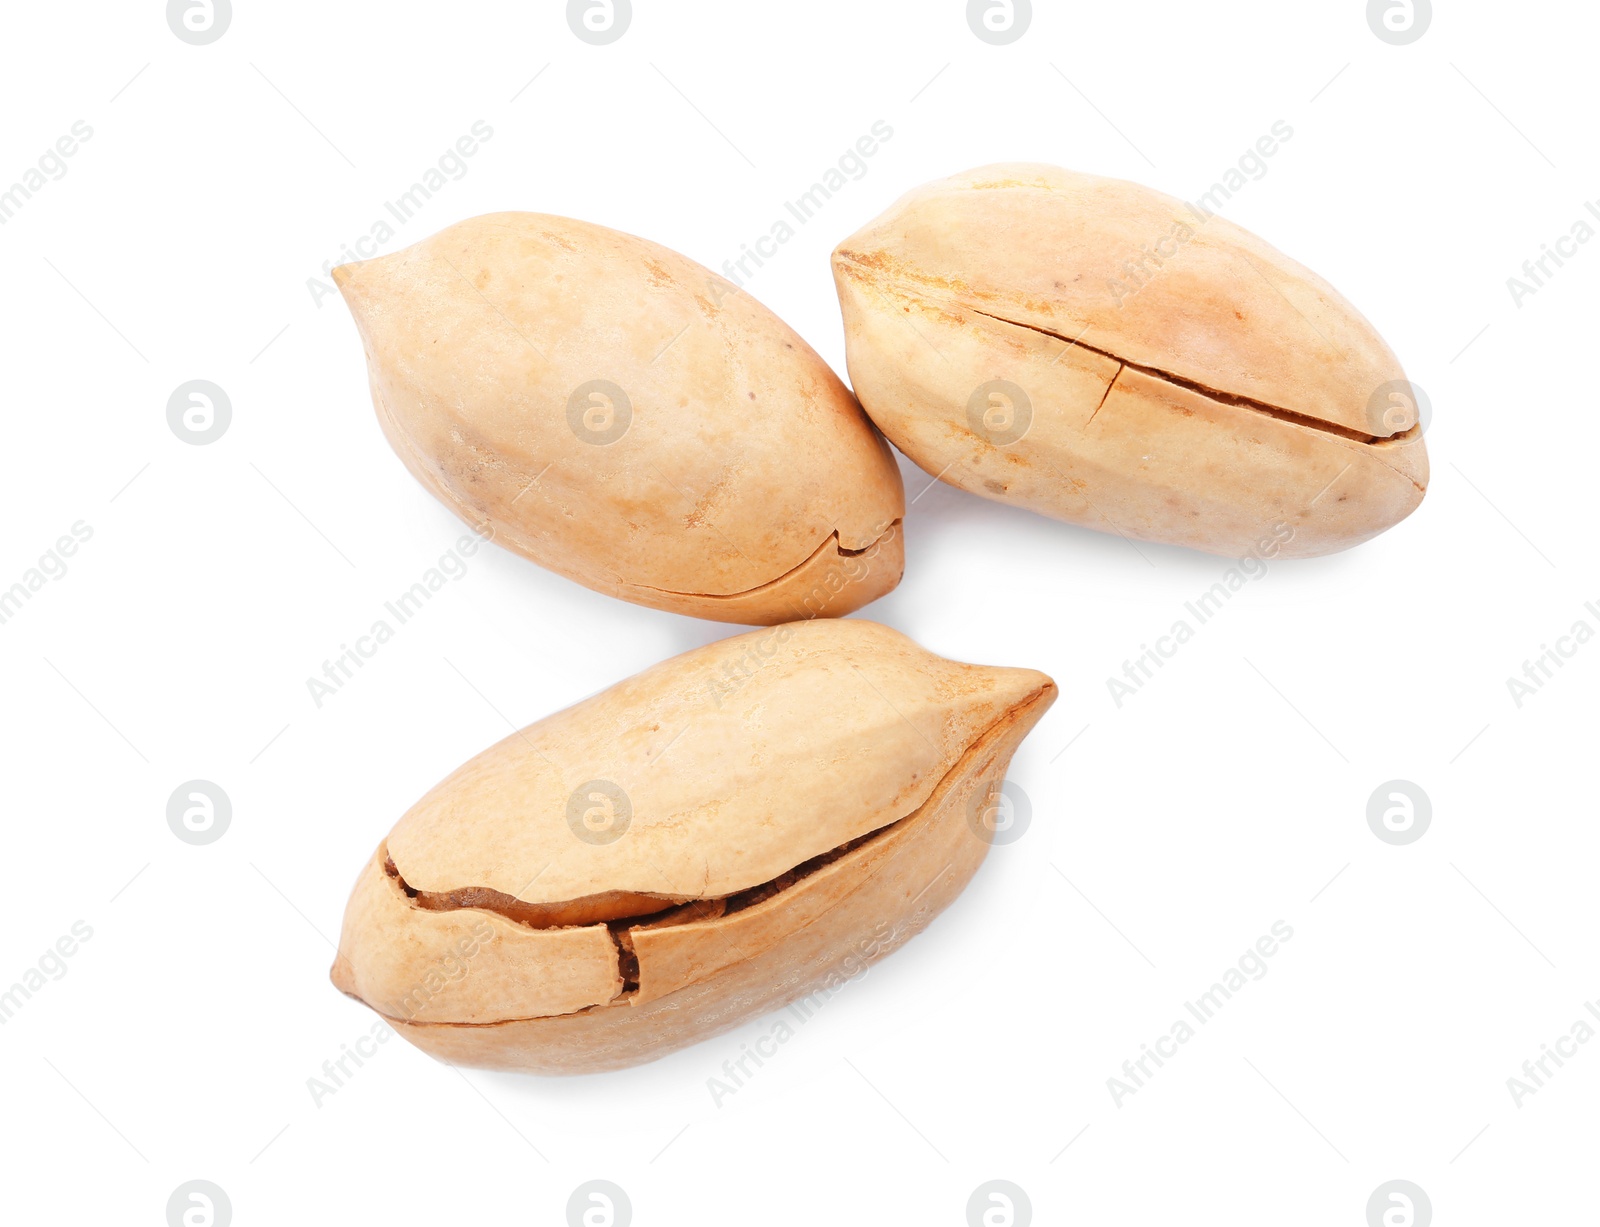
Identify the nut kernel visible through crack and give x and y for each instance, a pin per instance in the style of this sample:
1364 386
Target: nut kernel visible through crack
819 811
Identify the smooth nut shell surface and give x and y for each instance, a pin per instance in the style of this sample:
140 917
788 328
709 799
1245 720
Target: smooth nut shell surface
800 801
1207 391
621 415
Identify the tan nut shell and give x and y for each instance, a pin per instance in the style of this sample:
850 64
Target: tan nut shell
1232 397
809 794
746 484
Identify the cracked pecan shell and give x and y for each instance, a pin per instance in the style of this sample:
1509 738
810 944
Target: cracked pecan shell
736 828
1100 353
622 416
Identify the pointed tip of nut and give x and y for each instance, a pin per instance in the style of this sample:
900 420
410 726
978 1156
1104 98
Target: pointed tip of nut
343 975
359 279
362 284
1036 693
1018 697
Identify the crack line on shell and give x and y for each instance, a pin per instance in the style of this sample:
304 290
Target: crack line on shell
676 909
487 899
983 742
477 520
1107 396
831 538
1216 394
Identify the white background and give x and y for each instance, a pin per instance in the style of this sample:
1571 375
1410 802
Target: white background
1228 794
